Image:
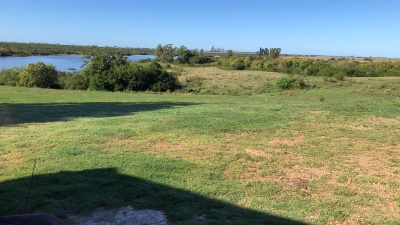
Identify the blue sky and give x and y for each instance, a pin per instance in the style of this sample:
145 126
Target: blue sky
317 27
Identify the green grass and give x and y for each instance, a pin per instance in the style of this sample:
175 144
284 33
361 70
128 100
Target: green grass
274 158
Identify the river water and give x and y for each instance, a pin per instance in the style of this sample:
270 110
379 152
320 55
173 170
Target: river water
61 62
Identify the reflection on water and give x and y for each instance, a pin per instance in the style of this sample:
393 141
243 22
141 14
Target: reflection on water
61 62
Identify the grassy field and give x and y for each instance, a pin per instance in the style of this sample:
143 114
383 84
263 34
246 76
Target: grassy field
247 155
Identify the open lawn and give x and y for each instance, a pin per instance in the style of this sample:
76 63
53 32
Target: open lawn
328 155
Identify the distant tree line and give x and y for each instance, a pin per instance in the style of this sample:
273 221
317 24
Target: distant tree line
103 70
27 49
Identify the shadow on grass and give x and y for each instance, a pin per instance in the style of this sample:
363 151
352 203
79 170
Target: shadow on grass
66 193
11 114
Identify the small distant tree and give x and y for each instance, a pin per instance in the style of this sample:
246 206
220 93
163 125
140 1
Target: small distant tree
260 52
229 53
274 52
164 53
263 52
266 52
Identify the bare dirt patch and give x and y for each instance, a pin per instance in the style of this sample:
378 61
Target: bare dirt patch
122 216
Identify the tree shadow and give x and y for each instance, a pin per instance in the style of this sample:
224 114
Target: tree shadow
66 193
11 114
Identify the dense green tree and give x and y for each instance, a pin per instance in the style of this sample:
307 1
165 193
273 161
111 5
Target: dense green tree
38 75
99 68
107 71
165 53
184 54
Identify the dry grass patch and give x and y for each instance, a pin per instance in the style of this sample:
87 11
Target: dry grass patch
318 112
243 171
385 121
288 142
230 81
253 152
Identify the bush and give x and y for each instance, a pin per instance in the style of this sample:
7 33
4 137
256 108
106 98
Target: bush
291 82
39 75
340 76
112 72
10 76
393 73
99 83
74 81
257 64
194 82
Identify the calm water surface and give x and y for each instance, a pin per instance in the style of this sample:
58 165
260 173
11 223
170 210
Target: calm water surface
61 62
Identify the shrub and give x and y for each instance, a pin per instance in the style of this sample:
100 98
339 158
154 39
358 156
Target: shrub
393 73
194 82
257 64
340 76
99 83
10 76
291 82
39 75
112 72
74 81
